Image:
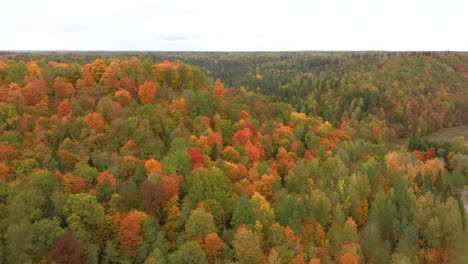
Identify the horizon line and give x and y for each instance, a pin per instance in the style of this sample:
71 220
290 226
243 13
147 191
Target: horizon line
225 51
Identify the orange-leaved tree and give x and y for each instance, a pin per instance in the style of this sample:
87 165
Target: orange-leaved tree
95 121
146 92
219 88
348 258
212 246
153 166
130 237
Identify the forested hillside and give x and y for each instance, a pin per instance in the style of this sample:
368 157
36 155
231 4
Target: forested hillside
415 93
231 158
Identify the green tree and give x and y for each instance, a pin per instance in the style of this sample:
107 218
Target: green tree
44 232
83 213
243 213
8 116
213 184
189 253
177 161
247 247
19 242
199 224
110 254
312 141
86 172
262 210
16 73
105 191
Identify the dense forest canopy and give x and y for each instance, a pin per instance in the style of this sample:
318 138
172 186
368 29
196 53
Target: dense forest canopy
242 158
415 93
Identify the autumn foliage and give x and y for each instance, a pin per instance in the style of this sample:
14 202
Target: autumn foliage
106 176
95 121
348 258
63 109
153 195
219 88
196 158
153 166
146 92
67 250
5 172
212 246
132 158
123 96
129 235
62 88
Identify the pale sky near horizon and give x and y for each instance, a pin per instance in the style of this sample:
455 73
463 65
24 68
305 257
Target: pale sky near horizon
241 25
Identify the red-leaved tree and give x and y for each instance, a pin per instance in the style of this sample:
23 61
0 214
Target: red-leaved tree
153 195
63 109
67 250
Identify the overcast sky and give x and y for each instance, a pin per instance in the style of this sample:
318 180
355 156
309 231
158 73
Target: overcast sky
238 25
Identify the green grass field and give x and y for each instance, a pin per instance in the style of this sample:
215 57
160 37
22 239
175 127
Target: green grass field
447 134
443 135
460 252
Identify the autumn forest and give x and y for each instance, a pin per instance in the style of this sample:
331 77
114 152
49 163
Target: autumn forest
232 158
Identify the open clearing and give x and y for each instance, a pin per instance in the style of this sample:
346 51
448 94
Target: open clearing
447 134
443 135
465 199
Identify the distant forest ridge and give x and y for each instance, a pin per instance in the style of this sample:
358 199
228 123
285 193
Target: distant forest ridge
402 88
